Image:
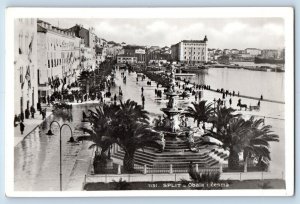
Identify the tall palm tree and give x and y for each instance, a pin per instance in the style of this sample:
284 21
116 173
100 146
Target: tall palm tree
201 112
134 132
232 139
221 117
256 142
102 130
139 136
247 136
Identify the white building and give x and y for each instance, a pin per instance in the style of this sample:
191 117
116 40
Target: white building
58 57
25 64
190 51
253 51
126 59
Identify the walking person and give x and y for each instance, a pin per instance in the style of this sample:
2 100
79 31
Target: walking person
27 113
22 127
32 110
230 101
142 89
44 114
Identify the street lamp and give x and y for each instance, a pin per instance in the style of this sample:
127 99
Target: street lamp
60 147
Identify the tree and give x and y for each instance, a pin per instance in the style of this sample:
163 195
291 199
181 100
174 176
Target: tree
221 117
134 132
256 142
201 112
101 132
126 125
247 136
85 81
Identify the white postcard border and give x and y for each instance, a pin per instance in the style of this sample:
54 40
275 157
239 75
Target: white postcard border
192 12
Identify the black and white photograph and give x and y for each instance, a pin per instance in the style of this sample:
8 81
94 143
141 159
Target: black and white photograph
147 102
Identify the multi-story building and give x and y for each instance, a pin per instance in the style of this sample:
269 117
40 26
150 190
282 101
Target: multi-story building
135 51
89 41
114 50
234 51
253 51
25 64
58 60
158 56
126 59
271 54
190 51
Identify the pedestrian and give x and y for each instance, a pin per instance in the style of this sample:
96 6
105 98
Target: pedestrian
32 110
22 127
48 100
142 89
38 106
27 113
230 101
22 116
44 114
258 103
15 121
238 94
261 97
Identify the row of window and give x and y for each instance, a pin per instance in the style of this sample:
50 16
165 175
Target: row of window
199 58
193 44
189 53
56 43
27 20
56 62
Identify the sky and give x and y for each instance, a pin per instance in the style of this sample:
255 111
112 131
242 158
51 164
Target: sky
238 33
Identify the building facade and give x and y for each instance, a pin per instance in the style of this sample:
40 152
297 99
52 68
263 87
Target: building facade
253 51
126 59
25 65
135 51
58 57
190 51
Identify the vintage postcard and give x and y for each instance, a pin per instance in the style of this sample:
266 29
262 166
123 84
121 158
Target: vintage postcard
149 102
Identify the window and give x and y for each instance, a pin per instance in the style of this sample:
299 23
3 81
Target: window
51 62
48 63
20 43
26 44
21 75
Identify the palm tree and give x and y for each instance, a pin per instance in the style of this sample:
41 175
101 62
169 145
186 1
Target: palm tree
221 117
232 139
133 132
247 136
101 131
201 112
126 125
137 137
256 142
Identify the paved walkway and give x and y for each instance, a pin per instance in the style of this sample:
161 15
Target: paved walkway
81 167
30 125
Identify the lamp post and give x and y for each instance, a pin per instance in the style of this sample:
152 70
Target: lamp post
60 147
